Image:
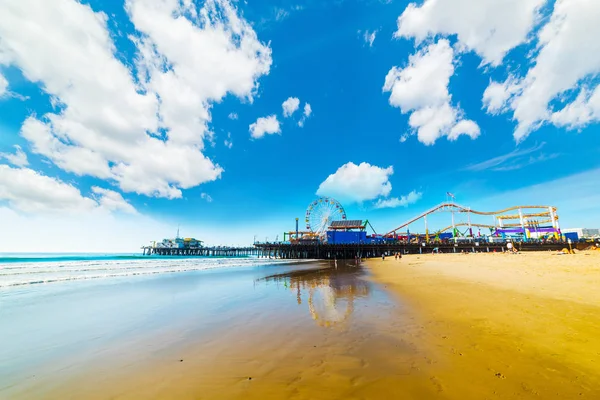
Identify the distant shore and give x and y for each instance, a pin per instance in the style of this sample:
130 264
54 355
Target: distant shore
505 326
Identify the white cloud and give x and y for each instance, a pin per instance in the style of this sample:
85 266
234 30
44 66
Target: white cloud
3 85
568 57
580 112
404 137
421 88
357 183
305 115
369 37
464 127
403 201
147 133
497 94
233 116
265 125
489 27
227 142
206 197
497 162
307 110
290 106
19 158
112 201
28 191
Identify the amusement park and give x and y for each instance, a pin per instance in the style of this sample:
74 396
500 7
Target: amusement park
328 233
326 222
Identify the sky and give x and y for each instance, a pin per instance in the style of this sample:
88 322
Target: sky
121 121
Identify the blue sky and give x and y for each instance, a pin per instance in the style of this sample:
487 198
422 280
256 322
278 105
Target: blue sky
134 117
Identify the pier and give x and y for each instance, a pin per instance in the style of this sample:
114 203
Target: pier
351 251
218 251
347 251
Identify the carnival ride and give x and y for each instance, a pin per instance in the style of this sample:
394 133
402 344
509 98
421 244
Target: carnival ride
321 213
532 222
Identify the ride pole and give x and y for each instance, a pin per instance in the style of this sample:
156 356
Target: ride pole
426 230
469 219
453 226
522 224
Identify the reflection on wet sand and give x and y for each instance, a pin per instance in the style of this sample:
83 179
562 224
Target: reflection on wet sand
331 290
235 336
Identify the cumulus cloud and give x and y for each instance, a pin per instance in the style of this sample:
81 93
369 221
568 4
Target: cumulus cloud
265 126
290 106
18 158
491 28
144 132
497 94
307 110
568 59
581 111
357 183
421 89
112 201
233 116
29 191
403 201
305 115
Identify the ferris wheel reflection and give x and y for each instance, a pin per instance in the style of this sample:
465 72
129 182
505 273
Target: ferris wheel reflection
329 292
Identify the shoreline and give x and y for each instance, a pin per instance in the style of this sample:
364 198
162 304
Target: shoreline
477 326
504 325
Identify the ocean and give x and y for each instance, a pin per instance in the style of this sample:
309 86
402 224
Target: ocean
38 268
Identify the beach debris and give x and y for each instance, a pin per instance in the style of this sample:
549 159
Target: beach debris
249 378
499 375
181 360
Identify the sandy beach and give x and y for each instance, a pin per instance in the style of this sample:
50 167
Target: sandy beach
502 325
477 326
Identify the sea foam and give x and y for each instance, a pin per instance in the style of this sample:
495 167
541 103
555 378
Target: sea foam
17 272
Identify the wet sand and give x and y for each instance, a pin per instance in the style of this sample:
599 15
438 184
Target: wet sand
302 331
504 326
426 327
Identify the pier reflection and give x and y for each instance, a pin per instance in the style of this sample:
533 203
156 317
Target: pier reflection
329 292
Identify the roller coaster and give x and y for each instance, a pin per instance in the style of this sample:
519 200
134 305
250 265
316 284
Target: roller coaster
533 221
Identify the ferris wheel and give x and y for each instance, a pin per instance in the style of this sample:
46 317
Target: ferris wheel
321 212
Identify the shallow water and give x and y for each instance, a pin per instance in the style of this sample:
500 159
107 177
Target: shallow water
53 333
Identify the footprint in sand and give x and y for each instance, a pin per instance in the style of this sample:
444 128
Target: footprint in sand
437 383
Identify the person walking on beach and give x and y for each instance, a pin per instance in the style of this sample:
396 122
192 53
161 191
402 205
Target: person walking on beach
383 257
396 256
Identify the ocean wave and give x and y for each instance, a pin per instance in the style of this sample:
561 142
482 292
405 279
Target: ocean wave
30 273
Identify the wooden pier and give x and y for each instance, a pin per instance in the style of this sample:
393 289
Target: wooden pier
219 251
350 251
346 251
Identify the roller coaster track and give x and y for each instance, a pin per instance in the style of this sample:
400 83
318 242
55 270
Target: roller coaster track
480 226
462 209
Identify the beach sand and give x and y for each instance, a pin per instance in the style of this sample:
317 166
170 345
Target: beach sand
502 325
477 326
